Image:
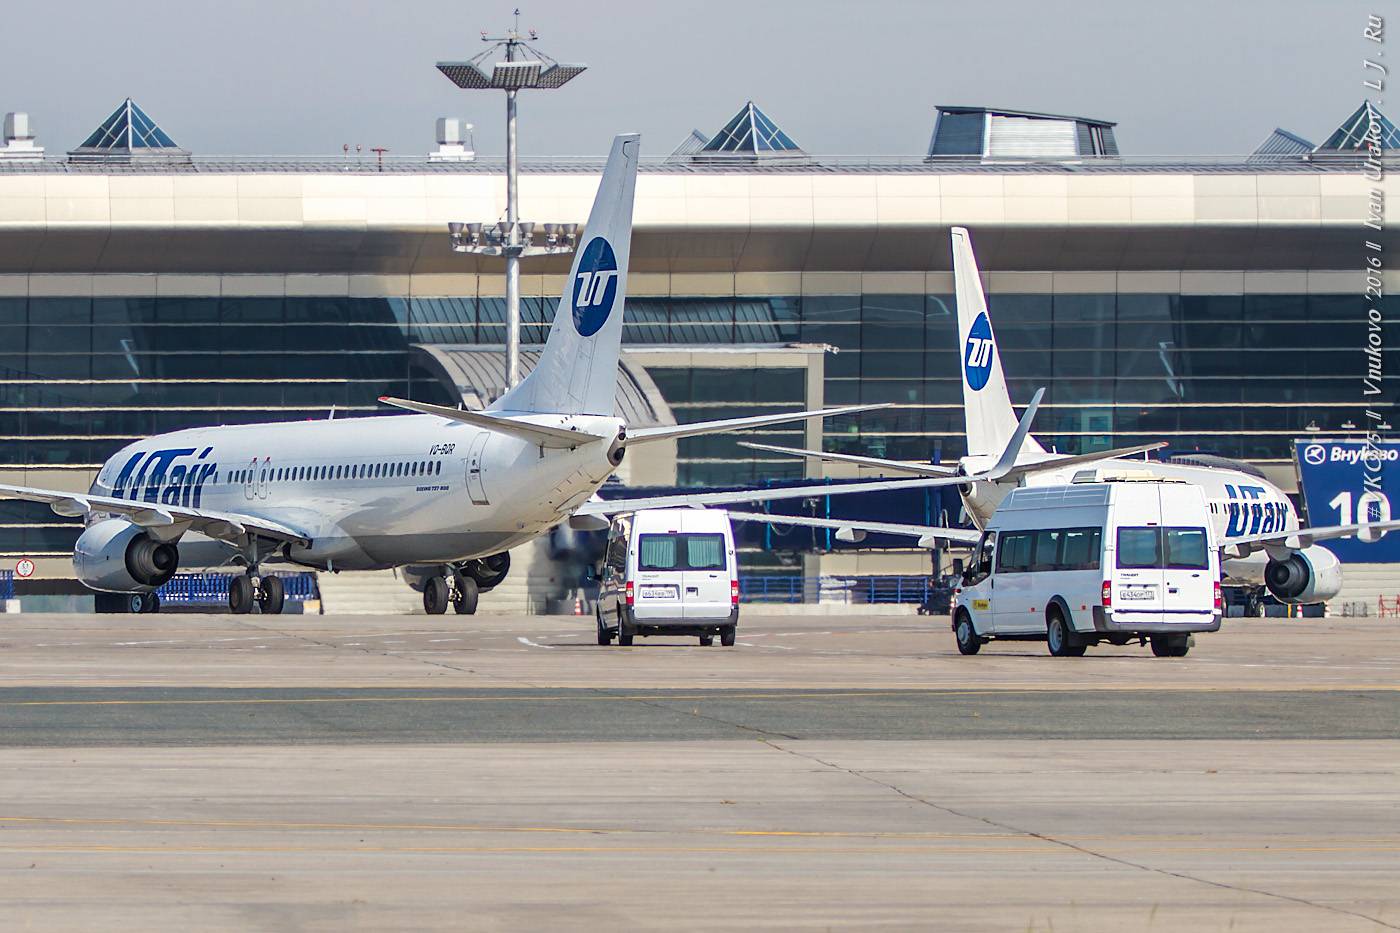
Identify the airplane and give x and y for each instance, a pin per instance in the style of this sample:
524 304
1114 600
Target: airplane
1265 546
443 492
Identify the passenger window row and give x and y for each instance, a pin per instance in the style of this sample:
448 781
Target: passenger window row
331 472
1163 548
1050 549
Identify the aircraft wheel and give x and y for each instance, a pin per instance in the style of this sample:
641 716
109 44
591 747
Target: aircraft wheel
240 595
435 596
468 593
272 596
142 602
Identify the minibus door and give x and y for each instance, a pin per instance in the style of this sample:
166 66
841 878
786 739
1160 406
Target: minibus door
1138 576
705 581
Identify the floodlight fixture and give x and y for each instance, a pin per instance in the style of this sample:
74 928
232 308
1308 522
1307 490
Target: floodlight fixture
524 68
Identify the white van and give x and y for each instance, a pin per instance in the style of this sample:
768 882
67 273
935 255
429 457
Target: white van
1116 561
669 572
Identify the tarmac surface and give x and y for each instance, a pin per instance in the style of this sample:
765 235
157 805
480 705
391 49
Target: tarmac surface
181 772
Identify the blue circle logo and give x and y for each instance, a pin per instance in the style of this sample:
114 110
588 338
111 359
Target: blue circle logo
977 357
595 287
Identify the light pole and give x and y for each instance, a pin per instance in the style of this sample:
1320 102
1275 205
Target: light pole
524 68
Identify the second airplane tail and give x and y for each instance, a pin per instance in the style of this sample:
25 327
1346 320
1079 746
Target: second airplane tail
577 372
991 421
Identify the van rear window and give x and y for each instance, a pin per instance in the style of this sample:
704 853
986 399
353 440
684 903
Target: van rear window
681 552
1163 548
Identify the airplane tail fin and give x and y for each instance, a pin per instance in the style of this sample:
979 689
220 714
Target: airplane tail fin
991 421
577 372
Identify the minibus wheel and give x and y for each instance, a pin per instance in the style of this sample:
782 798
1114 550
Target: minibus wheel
1059 638
1170 646
604 635
726 636
706 641
968 640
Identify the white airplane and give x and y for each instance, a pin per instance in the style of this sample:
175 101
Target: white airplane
1255 521
444 492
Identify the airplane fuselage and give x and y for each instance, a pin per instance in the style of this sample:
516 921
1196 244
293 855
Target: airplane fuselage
375 492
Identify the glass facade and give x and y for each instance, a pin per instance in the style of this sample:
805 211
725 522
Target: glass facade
1238 375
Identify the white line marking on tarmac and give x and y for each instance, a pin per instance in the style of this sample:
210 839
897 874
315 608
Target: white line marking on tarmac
433 641
525 641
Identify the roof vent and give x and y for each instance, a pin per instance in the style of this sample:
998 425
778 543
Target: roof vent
19 140
454 139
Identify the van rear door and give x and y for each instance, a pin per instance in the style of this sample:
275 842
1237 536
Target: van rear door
1187 578
1136 511
705 580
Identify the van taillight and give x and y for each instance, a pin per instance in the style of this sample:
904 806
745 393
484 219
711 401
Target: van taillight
1107 595
1219 599
631 597
734 592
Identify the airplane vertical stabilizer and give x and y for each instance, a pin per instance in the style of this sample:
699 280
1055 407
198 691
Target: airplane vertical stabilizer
991 421
577 372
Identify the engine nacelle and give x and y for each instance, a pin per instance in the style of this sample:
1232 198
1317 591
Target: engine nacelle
1312 575
116 556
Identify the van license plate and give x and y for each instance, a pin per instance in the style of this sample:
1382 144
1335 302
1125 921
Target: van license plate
658 592
1137 593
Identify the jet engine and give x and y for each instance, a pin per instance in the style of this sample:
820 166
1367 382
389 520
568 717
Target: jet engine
1312 575
490 571
116 556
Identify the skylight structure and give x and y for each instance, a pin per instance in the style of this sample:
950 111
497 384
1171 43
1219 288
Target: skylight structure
126 135
750 134
1355 130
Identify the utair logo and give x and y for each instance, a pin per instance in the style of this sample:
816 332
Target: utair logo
595 287
977 359
1315 454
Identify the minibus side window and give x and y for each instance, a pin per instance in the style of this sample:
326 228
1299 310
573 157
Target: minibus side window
1046 552
1081 549
981 565
617 552
1185 548
1138 548
1015 556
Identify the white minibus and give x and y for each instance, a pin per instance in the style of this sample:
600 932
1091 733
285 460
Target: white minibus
669 572
1116 561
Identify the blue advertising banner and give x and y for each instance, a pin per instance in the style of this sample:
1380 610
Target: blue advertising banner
1333 476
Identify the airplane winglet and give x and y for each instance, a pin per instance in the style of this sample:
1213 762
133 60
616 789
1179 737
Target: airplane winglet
1018 438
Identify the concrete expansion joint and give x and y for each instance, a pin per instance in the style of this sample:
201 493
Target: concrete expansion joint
1076 847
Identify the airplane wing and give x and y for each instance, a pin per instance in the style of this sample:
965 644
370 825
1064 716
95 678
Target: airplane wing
544 435
226 526
1369 532
918 469
642 435
690 499
927 535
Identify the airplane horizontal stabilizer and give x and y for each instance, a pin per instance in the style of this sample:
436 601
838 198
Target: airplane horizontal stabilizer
544 435
901 466
642 435
1059 463
927 535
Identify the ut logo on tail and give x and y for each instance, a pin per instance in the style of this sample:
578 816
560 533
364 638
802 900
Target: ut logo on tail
977 358
595 287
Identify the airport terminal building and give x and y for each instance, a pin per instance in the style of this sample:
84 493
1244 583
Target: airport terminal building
1216 303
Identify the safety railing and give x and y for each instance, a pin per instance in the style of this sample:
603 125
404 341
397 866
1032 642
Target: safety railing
212 588
760 588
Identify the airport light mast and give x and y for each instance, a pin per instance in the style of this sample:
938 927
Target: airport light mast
525 68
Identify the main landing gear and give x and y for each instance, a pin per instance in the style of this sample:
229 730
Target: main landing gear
459 589
247 589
